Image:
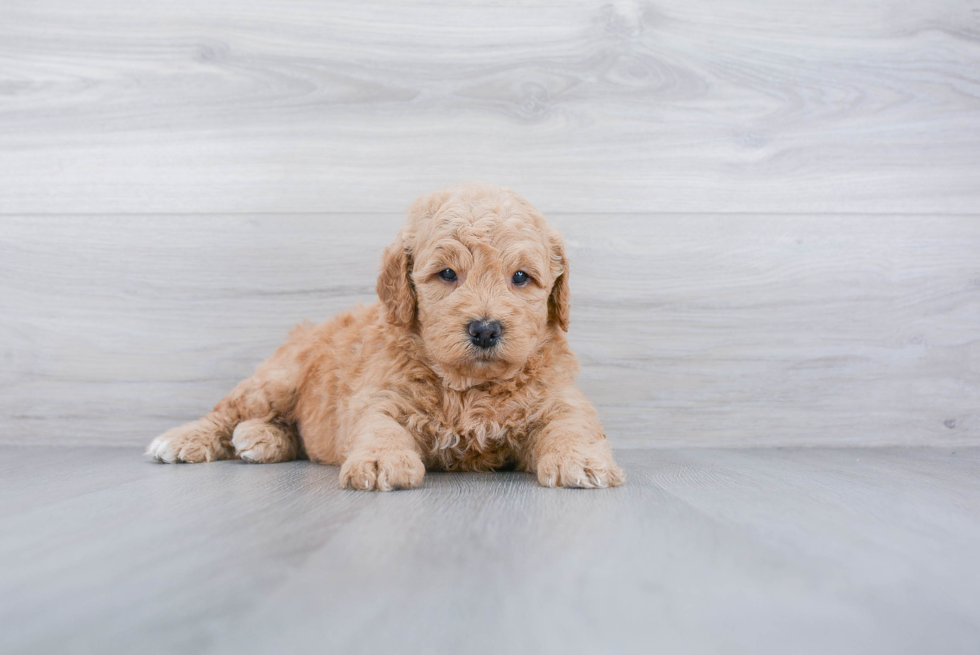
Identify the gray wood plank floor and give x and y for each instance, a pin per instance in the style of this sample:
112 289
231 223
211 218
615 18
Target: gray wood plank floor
703 551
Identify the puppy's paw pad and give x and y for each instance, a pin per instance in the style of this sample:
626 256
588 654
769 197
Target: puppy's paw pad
578 470
259 442
383 470
192 442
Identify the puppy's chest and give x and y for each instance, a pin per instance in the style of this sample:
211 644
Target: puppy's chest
472 432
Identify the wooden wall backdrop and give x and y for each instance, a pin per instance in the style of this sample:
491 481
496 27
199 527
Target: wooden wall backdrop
771 207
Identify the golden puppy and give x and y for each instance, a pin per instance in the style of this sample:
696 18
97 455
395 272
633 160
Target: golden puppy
462 366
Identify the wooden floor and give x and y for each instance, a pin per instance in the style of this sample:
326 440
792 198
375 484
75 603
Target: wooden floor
702 551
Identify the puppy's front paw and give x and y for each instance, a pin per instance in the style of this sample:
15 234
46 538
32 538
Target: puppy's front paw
197 441
591 467
382 470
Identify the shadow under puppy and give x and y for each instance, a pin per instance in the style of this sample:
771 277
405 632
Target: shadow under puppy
462 366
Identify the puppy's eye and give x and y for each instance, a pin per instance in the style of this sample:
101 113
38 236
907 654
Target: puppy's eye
447 274
520 278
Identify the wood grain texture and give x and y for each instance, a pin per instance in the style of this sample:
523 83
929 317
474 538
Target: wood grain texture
295 106
692 329
703 551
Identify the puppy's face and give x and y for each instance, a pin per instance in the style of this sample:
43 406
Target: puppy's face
484 281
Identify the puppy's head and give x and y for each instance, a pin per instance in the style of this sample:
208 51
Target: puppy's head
479 275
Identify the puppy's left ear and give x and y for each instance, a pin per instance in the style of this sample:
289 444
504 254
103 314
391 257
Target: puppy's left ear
395 288
558 307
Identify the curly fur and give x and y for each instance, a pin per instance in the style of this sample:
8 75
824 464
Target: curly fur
392 389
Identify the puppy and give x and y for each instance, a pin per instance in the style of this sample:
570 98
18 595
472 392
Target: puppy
462 366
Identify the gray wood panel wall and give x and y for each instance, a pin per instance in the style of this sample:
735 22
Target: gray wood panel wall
771 208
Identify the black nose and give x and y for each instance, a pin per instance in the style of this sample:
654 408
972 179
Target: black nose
484 333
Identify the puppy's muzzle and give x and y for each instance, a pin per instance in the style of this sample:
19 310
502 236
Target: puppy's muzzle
484 333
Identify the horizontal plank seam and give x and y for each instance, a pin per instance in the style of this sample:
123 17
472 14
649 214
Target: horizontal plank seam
549 213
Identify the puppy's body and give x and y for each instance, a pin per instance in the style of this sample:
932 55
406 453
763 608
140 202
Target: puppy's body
391 389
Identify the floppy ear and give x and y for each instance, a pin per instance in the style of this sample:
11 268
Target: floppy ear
395 286
558 300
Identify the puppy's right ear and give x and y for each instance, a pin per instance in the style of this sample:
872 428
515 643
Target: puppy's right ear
395 288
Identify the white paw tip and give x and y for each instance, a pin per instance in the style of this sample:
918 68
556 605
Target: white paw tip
158 450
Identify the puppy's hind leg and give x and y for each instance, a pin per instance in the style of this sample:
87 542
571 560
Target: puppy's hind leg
262 441
262 406
204 440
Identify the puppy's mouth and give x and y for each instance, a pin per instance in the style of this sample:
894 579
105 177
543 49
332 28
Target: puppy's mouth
476 365
486 361
485 355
